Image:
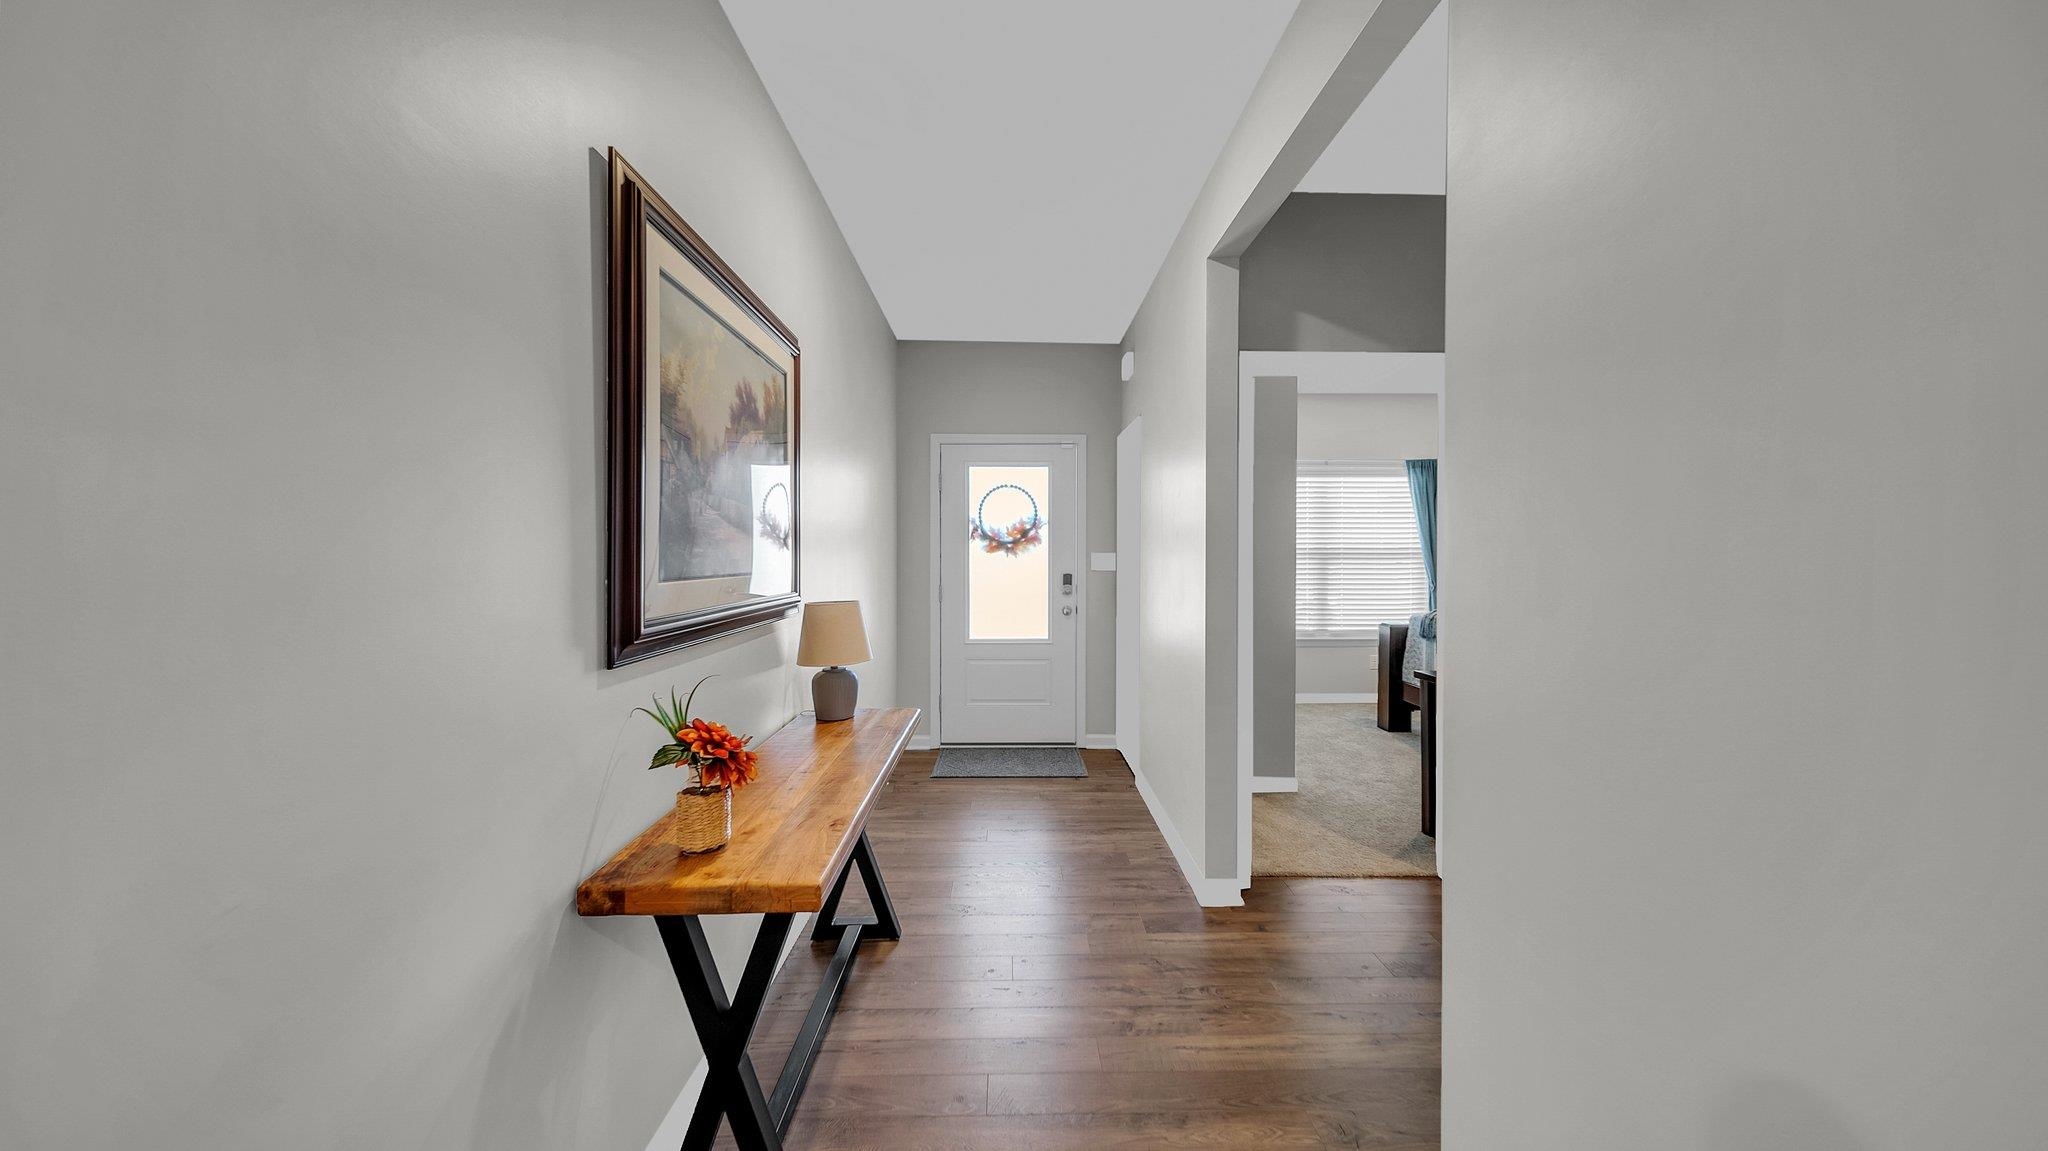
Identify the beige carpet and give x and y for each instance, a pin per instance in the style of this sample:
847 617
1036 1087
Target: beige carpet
1357 811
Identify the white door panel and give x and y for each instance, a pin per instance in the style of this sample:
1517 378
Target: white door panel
1013 681
1010 593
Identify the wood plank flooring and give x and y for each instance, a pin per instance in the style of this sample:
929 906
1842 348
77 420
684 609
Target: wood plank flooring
1058 987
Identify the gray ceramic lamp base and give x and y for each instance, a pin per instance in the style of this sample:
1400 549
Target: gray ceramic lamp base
833 692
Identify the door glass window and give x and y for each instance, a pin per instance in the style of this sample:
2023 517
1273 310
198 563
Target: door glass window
1009 586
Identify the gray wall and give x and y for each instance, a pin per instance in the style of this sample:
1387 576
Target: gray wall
992 388
1753 292
308 734
1381 426
1273 468
1336 669
1335 272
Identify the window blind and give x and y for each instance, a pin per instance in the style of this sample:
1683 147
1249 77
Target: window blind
1357 557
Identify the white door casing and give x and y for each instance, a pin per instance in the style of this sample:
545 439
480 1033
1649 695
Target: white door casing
1009 626
1129 449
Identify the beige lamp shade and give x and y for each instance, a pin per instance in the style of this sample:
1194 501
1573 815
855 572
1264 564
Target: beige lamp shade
833 635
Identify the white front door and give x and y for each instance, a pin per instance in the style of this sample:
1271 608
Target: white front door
1010 592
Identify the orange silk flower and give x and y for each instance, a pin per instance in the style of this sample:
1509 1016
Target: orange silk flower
720 757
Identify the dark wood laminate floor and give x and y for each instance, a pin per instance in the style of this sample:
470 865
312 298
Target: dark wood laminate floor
1057 986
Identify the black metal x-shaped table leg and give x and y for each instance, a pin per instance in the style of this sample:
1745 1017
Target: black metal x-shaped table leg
731 1087
881 924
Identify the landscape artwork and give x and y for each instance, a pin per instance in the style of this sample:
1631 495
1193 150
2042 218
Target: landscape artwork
703 385
724 414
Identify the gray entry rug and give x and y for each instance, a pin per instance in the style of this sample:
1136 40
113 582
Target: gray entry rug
1009 763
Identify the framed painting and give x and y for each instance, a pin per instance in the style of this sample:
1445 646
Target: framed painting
703 386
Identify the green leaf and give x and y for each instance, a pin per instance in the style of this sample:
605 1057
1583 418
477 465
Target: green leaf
667 755
683 716
660 715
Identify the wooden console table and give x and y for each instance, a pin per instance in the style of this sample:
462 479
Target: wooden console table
798 831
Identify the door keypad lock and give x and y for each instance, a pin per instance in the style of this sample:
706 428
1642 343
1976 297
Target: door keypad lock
1067 588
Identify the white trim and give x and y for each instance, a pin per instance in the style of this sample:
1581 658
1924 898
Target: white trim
1225 892
669 1134
922 743
1130 454
1261 783
1350 373
1099 742
1336 697
1079 441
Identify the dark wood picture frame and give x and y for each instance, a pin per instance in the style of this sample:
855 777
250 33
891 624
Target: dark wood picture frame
634 206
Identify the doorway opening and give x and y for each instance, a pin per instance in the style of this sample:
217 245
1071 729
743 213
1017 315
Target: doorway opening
1333 570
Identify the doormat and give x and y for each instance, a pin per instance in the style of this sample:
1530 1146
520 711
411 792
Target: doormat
1009 763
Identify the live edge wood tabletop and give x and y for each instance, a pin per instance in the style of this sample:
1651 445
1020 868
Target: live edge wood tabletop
793 828
799 833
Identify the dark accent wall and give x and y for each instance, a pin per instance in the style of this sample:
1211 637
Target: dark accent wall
1274 429
1335 272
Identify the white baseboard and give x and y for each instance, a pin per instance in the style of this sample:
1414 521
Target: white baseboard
676 1124
1099 742
1275 783
922 743
1336 697
1208 892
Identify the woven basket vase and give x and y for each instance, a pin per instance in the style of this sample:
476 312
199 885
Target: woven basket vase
703 819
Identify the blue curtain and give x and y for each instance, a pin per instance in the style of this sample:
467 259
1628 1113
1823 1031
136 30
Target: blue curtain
1422 490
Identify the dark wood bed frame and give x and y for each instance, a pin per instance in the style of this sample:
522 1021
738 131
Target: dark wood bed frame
1399 700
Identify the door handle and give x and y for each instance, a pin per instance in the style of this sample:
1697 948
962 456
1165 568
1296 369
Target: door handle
1067 610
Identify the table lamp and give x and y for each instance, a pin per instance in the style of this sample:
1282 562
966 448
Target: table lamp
832 638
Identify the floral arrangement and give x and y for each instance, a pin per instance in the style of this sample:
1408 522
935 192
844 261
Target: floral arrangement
1018 538
715 756
1015 540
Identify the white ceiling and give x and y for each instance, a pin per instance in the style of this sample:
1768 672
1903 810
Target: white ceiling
1396 141
1010 171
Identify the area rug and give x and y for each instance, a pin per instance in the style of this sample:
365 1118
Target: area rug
1359 808
1009 762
